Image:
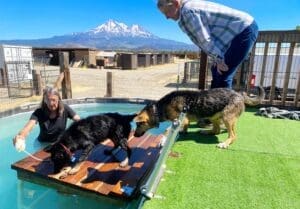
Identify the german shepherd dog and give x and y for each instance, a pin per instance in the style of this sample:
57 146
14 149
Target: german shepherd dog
86 134
217 105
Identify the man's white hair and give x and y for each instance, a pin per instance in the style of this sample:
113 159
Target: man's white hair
163 3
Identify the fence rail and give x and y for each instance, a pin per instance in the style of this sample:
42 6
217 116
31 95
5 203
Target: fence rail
274 63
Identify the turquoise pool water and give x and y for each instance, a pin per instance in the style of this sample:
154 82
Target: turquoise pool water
17 194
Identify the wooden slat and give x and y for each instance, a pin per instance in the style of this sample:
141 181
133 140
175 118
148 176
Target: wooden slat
277 36
133 143
263 68
130 178
202 70
297 93
251 64
96 157
275 72
100 174
113 168
137 156
288 72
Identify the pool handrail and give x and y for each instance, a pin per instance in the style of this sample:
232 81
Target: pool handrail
149 188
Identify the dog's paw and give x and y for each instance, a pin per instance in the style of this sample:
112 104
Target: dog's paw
222 145
74 170
55 176
124 163
62 174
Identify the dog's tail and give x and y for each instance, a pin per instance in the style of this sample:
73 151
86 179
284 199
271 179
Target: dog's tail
256 100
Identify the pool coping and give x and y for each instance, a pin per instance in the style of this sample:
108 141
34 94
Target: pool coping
32 106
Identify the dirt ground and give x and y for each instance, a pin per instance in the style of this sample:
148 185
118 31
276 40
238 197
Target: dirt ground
145 83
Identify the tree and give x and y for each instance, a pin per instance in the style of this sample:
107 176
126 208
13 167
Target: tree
298 27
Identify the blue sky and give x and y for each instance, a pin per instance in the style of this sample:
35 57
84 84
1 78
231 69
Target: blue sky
31 19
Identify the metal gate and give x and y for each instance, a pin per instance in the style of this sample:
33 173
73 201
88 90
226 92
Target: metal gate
19 79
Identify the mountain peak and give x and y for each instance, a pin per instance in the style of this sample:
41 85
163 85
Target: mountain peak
114 28
111 35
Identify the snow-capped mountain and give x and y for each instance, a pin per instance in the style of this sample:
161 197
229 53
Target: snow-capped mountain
115 28
111 35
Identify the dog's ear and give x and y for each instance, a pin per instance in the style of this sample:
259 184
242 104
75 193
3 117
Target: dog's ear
138 119
131 117
141 117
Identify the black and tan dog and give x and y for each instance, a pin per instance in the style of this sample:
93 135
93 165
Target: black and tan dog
86 134
217 105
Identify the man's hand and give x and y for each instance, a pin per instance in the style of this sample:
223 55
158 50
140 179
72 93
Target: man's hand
221 67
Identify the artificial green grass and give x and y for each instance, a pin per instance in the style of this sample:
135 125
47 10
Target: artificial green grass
260 170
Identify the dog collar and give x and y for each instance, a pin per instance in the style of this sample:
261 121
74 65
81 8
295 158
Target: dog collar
68 151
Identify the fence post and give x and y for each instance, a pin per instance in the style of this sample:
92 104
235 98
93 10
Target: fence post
250 69
2 76
238 76
187 71
66 82
37 82
264 64
288 73
202 70
5 77
297 92
109 84
275 72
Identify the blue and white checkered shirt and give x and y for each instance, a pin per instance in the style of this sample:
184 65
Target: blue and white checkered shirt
212 26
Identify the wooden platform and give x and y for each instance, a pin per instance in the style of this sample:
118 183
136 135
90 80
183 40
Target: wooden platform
100 174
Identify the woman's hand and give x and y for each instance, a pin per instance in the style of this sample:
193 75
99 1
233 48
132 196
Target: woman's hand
19 140
19 143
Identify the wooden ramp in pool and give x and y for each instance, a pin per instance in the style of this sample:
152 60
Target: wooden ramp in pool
100 175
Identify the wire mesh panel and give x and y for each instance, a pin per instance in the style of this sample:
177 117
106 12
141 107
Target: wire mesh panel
49 74
19 76
191 73
276 66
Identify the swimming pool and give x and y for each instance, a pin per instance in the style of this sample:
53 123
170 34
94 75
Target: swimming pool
16 194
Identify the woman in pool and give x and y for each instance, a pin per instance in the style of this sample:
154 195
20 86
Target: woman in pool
52 118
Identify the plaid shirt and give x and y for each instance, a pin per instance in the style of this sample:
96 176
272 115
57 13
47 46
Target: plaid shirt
212 26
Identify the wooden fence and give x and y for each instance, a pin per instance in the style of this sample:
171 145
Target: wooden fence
63 80
274 63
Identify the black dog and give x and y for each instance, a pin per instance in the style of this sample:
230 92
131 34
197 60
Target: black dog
86 134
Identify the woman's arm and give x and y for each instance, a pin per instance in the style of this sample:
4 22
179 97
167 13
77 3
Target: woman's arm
71 113
25 131
76 118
